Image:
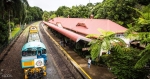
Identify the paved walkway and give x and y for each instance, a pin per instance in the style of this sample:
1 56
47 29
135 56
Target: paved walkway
95 72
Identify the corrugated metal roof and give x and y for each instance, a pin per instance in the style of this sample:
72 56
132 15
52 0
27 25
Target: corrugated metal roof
73 36
92 25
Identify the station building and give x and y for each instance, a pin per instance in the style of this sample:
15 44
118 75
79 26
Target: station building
76 30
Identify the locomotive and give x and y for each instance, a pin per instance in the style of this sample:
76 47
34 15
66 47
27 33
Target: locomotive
34 56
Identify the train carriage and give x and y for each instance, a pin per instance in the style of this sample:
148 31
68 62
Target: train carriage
33 37
34 56
33 29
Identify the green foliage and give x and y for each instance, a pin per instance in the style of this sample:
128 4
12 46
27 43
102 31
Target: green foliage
141 25
16 21
95 48
119 13
33 14
80 11
103 41
53 16
46 16
4 33
15 31
12 25
122 61
144 58
141 28
63 11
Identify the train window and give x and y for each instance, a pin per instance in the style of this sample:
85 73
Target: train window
44 51
31 53
39 52
32 28
24 53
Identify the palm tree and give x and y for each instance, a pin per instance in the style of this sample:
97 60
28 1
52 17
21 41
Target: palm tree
103 42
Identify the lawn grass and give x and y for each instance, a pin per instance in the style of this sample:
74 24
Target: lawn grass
14 32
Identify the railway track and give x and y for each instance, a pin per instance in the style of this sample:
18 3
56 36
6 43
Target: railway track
66 69
10 66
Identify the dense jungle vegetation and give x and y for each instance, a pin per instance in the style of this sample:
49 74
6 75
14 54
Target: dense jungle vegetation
125 63
16 13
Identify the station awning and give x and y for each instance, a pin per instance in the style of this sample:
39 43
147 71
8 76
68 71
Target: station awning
73 36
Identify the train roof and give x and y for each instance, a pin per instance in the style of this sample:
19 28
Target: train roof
33 45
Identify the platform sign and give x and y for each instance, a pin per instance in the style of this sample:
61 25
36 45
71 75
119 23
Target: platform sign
38 62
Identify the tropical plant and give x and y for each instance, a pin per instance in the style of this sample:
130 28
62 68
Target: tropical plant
103 41
11 11
116 10
121 63
141 28
4 32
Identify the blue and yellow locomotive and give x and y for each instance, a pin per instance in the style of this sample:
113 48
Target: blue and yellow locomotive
34 56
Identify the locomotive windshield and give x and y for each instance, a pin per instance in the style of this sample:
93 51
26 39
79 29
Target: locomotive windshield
28 53
44 51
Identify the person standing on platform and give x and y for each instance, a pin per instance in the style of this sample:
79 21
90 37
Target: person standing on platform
89 62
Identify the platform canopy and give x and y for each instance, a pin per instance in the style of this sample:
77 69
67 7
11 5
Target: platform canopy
73 36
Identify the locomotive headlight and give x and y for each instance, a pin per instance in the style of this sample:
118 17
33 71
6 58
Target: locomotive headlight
44 68
36 69
26 71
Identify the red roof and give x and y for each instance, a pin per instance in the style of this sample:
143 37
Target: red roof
75 37
89 26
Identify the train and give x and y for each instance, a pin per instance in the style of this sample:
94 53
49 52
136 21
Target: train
33 55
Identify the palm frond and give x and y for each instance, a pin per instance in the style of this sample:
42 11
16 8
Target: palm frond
105 33
116 39
145 40
144 37
136 10
95 50
92 35
143 60
144 57
108 45
143 21
118 48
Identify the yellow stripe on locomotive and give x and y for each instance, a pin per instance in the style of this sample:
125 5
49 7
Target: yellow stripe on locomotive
33 29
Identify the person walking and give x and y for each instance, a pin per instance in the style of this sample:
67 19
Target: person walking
89 62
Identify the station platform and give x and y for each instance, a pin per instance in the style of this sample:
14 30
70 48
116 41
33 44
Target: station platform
94 72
